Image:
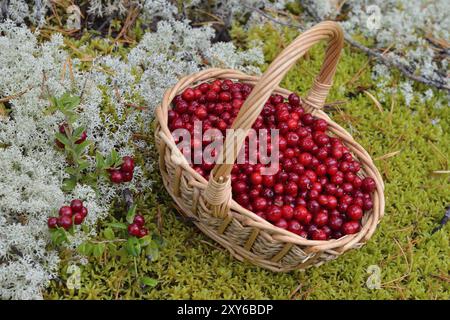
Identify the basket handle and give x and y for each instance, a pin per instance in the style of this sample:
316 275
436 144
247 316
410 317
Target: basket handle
327 30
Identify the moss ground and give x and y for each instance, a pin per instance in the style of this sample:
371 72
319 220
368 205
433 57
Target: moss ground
407 148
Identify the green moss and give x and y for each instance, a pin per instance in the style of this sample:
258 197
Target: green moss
413 262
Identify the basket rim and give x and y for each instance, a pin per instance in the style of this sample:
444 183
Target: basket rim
368 167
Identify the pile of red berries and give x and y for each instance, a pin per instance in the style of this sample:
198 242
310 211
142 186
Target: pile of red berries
317 192
69 215
137 228
124 173
62 129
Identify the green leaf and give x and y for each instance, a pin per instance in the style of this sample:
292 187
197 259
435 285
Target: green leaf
118 225
151 282
114 155
59 236
85 248
83 165
62 138
71 171
99 160
133 247
68 102
69 184
109 234
71 117
99 248
131 213
79 147
145 241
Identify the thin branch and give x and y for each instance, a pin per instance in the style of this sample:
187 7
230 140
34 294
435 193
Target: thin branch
404 69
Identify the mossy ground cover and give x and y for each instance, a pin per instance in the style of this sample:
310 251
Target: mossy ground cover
407 148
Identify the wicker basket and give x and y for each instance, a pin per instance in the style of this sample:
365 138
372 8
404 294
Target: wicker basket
209 203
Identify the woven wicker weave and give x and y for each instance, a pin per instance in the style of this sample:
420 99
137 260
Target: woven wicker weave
209 204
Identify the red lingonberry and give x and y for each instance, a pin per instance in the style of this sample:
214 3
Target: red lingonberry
116 176
65 211
282 223
65 222
287 212
350 227
354 212
76 205
52 222
84 211
78 218
318 234
273 214
295 227
368 184
320 219
134 230
143 232
139 220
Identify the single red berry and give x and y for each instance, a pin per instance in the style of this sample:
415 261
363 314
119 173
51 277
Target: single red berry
367 204
225 96
116 176
127 164
65 222
318 234
293 139
256 178
295 227
300 214
188 94
273 214
84 211
201 113
282 224
294 100
321 219
243 199
268 180
308 119
143 232
134 230
52 222
239 187
335 222
320 125
354 212
78 218
211 96
350 227
65 211
204 87
291 189
260 204
287 212
139 220
76 205
368 185
307 144
127 176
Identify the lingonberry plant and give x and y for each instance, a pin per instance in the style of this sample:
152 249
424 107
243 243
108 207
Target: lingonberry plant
318 191
71 139
128 240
